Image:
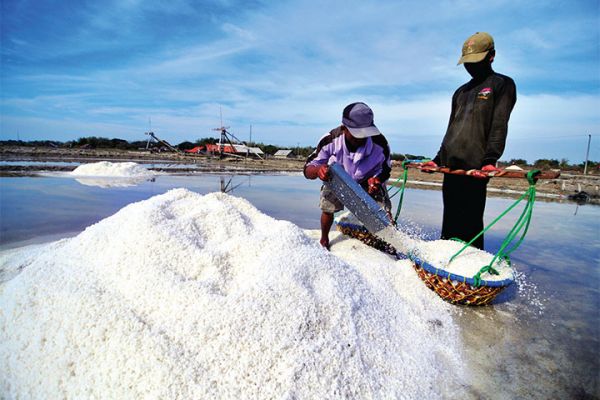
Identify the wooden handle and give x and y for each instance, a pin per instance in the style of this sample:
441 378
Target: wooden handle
489 174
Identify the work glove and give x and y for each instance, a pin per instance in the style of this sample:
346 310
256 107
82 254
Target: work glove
490 168
323 173
374 185
429 167
486 168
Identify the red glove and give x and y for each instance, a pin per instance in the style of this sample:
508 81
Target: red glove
374 185
490 168
429 167
486 168
323 172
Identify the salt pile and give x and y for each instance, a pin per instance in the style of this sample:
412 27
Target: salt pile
110 169
190 296
106 174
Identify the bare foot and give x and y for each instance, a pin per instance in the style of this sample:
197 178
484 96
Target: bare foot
324 242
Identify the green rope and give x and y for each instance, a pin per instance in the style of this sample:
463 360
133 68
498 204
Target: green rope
401 190
521 226
402 187
396 184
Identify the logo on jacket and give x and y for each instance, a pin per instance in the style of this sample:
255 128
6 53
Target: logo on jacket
484 93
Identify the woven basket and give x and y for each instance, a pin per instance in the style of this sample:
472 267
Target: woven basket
361 233
453 288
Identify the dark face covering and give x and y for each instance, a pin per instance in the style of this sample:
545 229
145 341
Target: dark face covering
481 70
352 142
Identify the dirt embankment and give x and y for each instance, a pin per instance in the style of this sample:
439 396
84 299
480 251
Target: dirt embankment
163 161
560 188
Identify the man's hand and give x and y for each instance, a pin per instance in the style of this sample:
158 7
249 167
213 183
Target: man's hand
374 185
323 173
490 168
429 167
486 170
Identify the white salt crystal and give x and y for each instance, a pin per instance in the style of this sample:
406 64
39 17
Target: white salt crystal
189 296
467 264
111 169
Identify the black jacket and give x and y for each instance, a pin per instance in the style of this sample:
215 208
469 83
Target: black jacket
478 125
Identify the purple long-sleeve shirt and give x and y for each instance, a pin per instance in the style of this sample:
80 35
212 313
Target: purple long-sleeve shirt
370 160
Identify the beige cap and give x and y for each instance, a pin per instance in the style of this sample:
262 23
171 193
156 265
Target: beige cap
476 47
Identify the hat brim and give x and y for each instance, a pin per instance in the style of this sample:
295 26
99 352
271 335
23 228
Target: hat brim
472 58
361 133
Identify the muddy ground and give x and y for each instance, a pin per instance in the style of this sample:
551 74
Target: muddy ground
567 184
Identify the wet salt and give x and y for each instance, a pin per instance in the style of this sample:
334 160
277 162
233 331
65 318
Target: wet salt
190 296
467 264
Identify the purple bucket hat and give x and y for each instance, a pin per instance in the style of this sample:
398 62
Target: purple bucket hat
358 118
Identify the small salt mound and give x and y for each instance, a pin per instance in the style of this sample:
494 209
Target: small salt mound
190 296
110 169
467 264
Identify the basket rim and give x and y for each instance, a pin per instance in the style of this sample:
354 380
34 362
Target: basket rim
438 271
454 277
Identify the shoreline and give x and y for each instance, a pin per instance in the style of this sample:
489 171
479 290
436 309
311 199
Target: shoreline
189 164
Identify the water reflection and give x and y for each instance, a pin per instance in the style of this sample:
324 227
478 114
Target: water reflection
228 188
113 182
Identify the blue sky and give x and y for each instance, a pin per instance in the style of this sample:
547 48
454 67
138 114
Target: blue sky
104 68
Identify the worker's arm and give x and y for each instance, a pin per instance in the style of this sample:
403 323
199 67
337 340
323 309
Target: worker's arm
506 96
318 158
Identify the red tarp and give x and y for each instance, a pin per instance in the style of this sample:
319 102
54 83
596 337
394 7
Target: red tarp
196 149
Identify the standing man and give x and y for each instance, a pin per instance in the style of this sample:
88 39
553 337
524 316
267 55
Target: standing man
362 150
475 138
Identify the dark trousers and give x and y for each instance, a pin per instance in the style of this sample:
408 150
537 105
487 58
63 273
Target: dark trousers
464 204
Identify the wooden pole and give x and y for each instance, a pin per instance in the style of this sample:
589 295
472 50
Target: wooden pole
587 155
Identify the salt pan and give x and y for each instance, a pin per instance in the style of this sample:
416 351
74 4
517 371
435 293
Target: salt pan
190 296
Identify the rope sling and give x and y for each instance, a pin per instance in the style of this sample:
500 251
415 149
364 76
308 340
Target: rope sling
403 186
521 226
507 247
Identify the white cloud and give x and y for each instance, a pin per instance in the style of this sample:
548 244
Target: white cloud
288 68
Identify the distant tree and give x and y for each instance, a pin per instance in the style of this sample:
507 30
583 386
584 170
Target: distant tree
104 143
402 157
544 163
269 148
186 145
12 142
119 144
593 166
32 143
416 157
138 144
518 161
304 151
204 141
564 163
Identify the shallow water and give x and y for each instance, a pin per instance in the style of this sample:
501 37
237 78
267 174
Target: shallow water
541 339
34 209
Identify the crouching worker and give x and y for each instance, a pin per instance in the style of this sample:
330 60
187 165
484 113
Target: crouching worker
363 152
